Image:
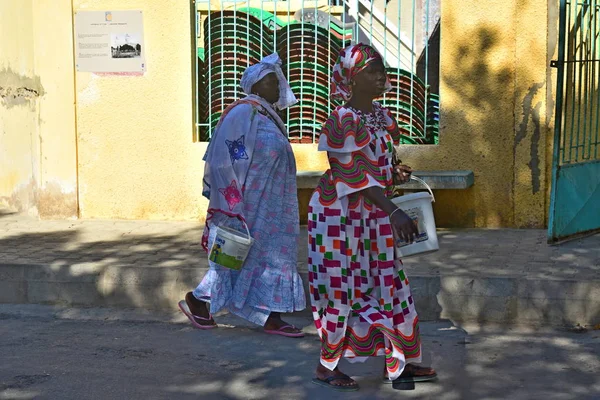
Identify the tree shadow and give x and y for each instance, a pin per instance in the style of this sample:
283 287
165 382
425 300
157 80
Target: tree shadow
158 359
152 272
147 271
508 277
494 121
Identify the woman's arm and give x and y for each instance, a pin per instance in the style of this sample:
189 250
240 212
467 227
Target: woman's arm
376 195
401 172
405 227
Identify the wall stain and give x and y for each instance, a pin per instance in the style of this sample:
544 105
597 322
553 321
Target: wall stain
23 198
16 90
534 162
49 202
54 203
534 114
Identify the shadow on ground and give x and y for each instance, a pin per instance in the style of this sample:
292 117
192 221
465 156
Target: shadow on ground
112 359
483 277
148 271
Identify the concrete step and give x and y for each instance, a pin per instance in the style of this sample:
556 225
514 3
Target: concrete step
457 297
504 276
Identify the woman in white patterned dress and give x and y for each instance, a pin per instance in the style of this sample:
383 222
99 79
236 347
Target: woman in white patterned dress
250 175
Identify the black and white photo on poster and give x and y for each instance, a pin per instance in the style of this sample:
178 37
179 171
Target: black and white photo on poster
126 45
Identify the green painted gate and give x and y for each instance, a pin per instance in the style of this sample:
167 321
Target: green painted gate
575 196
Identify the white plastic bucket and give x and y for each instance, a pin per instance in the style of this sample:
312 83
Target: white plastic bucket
418 206
230 247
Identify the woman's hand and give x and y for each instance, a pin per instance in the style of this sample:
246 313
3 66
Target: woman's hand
405 227
402 174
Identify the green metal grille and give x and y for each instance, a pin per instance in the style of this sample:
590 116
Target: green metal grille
579 119
575 192
308 38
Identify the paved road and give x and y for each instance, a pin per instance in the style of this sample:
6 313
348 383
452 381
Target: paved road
55 353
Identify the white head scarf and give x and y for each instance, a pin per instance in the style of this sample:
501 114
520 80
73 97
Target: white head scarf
269 64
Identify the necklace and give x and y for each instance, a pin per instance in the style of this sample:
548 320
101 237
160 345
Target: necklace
373 120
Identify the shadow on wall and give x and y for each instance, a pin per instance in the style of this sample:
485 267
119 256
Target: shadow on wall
474 117
491 123
5 213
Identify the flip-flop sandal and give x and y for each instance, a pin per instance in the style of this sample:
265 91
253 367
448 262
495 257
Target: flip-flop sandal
327 383
184 309
412 378
282 333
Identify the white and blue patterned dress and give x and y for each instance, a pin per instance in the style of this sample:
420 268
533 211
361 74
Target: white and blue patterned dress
268 282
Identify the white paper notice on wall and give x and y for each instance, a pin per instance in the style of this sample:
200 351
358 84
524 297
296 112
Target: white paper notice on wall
110 41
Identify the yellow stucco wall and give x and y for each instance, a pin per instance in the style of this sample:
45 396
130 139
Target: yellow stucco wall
37 118
136 158
17 162
136 155
494 114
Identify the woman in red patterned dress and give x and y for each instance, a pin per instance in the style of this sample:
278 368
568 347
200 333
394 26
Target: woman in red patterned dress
361 299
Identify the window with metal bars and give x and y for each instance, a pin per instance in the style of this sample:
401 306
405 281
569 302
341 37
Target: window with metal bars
308 35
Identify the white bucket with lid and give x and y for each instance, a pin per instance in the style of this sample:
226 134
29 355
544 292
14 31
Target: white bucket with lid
418 206
230 247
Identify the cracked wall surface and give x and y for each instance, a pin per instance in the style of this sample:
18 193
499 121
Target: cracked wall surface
21 91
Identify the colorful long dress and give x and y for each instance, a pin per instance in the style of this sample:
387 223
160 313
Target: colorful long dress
361 299
256 157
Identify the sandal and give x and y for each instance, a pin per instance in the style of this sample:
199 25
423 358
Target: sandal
409 375
198 322
327 383
280 331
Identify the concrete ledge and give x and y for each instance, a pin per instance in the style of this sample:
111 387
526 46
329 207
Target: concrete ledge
308 179
506 300
459 179
442 180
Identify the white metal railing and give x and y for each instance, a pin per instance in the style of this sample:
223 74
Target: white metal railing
308 35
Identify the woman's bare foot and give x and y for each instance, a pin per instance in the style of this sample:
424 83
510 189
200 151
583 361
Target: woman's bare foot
339 378
275 323
198 309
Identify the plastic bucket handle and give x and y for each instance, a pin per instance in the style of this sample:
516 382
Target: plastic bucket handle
421 181
246 227
247 230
